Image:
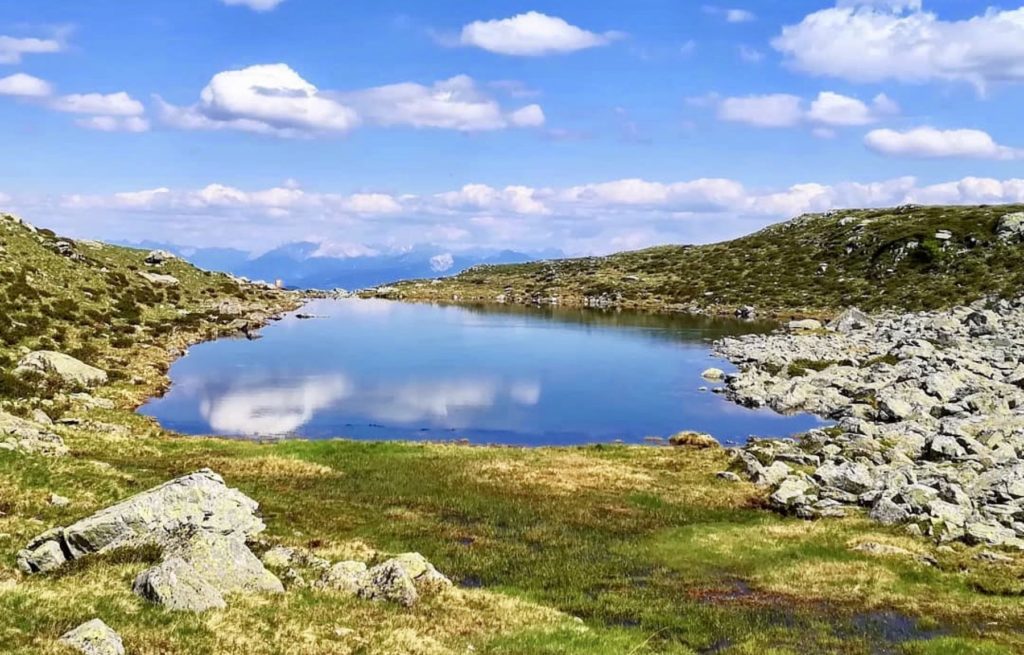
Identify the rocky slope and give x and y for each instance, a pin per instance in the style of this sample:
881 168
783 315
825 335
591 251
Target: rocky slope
908 258
929 412
96 314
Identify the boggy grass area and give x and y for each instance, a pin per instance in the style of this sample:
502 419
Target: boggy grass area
585 550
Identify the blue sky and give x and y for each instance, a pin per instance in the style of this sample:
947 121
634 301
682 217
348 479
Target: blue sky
581 126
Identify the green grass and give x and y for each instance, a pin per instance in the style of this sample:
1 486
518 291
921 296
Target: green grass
644 546
870 265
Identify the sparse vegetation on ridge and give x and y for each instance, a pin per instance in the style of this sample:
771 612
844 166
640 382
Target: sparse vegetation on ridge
604 550
899 258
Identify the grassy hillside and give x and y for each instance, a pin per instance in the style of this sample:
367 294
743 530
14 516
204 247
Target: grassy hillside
601 550
91 301
884 258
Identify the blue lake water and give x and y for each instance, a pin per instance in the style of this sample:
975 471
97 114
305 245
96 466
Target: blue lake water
377 369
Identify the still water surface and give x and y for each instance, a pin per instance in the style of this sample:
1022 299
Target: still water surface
376 369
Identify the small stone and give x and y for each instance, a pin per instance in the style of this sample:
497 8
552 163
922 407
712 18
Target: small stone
59 501
728 476
94 638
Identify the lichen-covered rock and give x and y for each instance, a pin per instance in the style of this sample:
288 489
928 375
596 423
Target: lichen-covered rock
347 577
196 502
94 638
389 582
28 437
70 370
176 585
1011 227
225 562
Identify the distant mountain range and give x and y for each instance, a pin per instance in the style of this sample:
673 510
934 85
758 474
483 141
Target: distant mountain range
303 264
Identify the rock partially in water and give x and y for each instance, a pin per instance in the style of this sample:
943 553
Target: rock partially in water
694 440
94 638
713 374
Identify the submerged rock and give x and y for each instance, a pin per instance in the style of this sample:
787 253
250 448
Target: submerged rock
94 638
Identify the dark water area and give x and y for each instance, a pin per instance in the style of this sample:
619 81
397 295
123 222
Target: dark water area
377 369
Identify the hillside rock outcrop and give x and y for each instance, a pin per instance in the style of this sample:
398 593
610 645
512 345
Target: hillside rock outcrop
29 437
201 527
70 370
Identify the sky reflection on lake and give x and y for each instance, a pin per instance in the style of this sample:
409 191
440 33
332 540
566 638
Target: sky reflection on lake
375 369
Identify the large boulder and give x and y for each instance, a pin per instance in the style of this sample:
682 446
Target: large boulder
159 279
805 324
70 370
28 437
199 524
226 563
175 584
1011 227
94 638
196 502
158 257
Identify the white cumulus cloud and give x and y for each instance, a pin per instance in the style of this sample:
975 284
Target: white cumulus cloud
12 48
114 123
900 40
454 104
274 99
531 34
827 110
929 142
25 86
269 98
111 104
